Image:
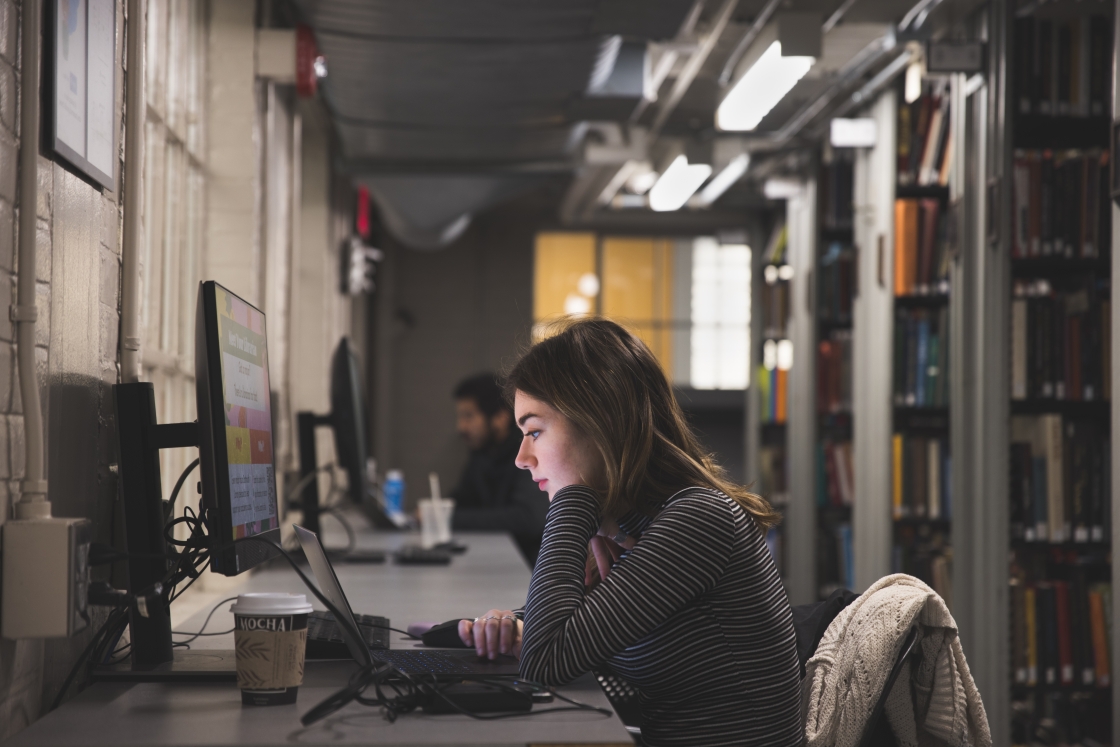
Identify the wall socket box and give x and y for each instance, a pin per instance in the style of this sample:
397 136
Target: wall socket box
45 578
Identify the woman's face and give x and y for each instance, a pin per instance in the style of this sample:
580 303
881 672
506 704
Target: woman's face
552 450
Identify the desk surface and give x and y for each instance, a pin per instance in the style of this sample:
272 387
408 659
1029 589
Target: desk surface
490 573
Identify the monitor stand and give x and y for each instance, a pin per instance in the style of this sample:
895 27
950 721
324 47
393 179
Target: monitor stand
215 665
140 439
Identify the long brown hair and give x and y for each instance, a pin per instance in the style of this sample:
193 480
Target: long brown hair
610 386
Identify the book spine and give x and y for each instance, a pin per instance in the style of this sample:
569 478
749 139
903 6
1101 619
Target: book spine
1064 634
896 475
1030 605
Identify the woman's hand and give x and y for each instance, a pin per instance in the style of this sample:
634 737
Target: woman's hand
496 632
605 551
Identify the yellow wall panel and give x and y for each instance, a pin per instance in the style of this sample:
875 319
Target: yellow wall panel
637 290
560 260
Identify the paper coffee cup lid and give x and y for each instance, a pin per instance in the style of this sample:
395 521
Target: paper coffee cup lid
271 603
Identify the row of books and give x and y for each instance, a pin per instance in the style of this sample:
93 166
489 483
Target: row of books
836 278
1057 717
835 476
925 143
834 372
774 304
926 555
1061 341
836 191
836 558
773 480
921 247
920 477
1060 484
1063 66
921 357
773 394
1061 632
1060 203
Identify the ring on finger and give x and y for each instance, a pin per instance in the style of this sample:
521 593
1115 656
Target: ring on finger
508 617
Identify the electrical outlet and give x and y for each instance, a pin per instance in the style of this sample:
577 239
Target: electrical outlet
45 577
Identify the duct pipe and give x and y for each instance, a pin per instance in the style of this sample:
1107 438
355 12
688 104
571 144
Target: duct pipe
33 501
133 175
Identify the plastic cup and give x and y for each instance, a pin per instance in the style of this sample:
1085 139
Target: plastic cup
435 521
270 640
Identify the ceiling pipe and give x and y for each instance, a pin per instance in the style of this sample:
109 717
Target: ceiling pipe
33 503
692 67
133 194
748 39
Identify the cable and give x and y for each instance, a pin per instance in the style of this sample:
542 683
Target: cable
182 479
351 537
115 617
201 631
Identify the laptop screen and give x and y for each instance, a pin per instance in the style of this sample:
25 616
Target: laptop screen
332 590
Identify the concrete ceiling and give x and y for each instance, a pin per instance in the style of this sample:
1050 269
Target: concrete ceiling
444 107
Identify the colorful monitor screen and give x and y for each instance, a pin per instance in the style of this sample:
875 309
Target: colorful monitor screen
248 416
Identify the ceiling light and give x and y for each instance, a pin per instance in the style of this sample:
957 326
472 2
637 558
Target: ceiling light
677 184
723 181
781 188
765 84
853 133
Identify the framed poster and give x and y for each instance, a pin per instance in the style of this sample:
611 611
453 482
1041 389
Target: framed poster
82 85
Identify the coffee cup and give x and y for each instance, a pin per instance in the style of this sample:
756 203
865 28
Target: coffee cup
435 521
270 640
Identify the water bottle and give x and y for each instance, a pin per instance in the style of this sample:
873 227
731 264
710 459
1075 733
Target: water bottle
394 491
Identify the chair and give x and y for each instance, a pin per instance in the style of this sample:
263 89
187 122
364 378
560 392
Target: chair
877 732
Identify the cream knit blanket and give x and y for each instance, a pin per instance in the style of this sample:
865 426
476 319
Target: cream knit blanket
936 703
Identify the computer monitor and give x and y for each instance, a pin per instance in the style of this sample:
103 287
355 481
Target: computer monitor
348 420
234 429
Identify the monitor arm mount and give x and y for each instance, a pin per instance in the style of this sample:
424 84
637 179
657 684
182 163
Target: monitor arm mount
306 423
140 440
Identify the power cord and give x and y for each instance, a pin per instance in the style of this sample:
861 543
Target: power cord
202 630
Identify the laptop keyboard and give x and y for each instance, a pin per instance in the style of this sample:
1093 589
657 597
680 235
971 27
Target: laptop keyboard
321 626
423 662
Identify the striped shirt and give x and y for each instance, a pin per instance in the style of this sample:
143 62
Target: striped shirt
695 617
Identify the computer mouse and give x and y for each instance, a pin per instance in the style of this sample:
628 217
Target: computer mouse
444 635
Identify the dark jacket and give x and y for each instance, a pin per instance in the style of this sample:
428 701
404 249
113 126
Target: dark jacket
494 495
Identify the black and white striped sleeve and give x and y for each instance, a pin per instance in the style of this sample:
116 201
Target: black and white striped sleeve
569 630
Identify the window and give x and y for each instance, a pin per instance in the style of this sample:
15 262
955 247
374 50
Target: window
173 214
689 300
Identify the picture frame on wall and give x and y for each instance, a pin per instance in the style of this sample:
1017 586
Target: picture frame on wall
81 86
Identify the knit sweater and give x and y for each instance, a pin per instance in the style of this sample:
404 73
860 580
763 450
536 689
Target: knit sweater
849 669
695 617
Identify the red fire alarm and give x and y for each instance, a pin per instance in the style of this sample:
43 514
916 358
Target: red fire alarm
309 62
361 218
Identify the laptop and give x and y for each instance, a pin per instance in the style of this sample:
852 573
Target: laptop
443 665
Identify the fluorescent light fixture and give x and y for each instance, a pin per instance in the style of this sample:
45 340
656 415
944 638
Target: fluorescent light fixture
765 84
853 133
722 181
781 188
677 184
912 91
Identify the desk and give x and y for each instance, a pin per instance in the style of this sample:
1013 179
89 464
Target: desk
491 572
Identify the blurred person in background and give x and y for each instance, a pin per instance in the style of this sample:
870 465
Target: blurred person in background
492 493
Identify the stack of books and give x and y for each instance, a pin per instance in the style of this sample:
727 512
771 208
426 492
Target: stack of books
921 349
925 143
921 486
921 247
1062 632
1061 67
834 372
1059 485
1061 341
1060 203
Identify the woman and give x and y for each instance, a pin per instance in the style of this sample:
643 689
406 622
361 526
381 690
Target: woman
683 599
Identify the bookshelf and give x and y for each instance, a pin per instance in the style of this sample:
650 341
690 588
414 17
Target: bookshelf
771 400
921 457
835 288
1059 369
